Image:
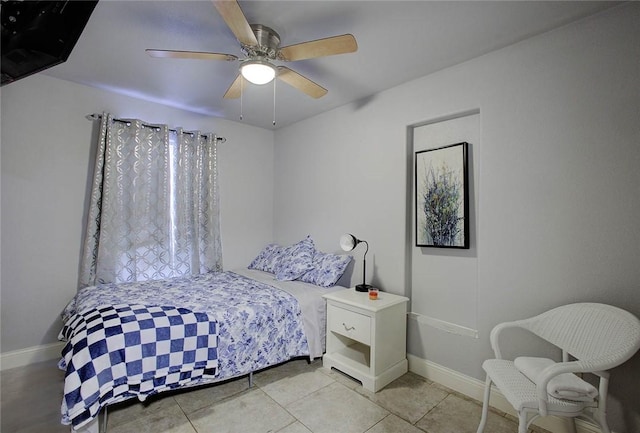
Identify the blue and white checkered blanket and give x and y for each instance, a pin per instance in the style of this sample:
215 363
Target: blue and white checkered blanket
119 351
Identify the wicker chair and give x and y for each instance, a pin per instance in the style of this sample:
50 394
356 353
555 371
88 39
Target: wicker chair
597 337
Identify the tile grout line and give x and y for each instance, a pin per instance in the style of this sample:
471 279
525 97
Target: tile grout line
287 411
185 415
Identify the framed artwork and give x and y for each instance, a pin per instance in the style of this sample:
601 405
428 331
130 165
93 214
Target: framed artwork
442 197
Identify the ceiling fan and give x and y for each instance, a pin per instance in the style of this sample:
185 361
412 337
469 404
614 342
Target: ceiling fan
261 46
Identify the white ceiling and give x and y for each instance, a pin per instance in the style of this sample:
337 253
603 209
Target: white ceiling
397 41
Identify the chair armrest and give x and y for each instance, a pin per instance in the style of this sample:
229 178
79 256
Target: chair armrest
495 335
549 373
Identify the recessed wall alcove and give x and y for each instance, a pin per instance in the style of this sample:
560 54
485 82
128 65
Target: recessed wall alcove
442 282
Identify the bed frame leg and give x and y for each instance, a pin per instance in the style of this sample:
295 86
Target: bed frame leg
91 427
105 417
251 379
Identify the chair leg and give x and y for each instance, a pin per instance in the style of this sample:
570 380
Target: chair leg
522 422
485 405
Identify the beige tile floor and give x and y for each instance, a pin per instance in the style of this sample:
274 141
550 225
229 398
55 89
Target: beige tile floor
295 397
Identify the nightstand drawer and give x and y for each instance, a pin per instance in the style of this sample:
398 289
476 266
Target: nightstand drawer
350 324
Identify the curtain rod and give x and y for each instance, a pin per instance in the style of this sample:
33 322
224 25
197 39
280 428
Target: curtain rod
95 116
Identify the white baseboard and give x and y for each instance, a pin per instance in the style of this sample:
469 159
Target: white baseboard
30 355
474 388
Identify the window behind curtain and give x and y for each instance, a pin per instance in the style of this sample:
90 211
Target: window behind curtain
154 211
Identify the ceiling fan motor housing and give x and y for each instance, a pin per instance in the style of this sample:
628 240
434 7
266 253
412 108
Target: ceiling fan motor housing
268 43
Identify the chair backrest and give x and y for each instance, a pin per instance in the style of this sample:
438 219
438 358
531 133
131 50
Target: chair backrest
601 334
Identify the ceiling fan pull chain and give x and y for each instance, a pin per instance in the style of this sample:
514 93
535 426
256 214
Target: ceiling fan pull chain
241 92
274 102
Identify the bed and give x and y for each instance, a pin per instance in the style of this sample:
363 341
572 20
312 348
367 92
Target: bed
228 324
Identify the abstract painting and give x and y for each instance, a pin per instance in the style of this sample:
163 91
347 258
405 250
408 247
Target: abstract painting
442 204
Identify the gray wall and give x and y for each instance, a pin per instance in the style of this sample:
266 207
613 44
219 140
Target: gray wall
557 178
46 158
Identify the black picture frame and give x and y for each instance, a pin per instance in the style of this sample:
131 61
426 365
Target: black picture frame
442 197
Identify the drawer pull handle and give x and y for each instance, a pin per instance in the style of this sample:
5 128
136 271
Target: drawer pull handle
348 328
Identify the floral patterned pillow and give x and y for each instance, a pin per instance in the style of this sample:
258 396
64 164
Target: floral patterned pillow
267 259
295 260
327 269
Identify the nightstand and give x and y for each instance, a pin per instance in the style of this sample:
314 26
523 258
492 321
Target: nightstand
367 339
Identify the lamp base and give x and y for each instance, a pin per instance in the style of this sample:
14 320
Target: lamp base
363 287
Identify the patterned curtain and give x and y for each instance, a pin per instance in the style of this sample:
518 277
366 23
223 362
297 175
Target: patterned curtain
154 210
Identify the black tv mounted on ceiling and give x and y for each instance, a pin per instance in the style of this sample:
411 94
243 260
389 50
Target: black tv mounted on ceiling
37 35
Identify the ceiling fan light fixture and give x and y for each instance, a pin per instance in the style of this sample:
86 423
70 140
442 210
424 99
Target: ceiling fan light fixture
258 71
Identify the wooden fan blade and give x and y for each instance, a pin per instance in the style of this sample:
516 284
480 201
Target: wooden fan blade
301 82
237 22
319 48
235 89
199 55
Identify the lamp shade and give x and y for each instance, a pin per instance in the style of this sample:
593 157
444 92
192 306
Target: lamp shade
348 242
258 71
